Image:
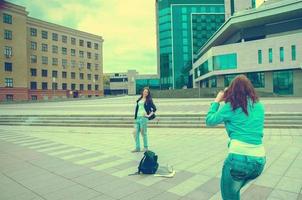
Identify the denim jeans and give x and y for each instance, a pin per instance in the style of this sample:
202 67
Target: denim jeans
141 126
237 171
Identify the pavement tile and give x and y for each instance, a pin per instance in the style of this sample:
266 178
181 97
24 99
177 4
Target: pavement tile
166 196
74 192
290 184
284 195
256 192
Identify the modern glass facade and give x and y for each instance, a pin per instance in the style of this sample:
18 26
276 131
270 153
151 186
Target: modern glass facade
183 27
281 51
283 82
270 55
150 83
220 62
259 57
226 61
257 79
293 48
228 79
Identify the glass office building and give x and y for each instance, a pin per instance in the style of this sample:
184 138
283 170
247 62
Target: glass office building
183 27
151 83
263 43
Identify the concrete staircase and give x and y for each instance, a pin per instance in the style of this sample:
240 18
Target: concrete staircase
272 120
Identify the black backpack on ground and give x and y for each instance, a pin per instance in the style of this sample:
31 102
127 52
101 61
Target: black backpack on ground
148 164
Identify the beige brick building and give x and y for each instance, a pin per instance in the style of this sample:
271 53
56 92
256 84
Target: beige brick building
42 60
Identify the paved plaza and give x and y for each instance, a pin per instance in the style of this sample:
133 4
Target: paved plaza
71 163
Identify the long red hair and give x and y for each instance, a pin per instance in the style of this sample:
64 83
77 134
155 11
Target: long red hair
238 93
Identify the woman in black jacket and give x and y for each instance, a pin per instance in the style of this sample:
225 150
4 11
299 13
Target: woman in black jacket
144 111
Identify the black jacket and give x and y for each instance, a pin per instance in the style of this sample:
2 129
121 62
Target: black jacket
149 107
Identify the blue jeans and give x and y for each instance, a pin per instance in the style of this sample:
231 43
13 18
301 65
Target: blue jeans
237 171
141 126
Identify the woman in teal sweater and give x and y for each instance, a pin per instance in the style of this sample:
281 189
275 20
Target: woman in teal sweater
243 116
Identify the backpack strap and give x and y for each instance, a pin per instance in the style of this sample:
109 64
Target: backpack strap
140 164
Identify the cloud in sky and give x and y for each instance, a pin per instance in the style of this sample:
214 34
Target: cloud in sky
128 28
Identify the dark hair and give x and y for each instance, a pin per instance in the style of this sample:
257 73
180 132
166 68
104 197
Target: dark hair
148 97
238 93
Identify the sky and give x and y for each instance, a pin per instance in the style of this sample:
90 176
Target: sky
127 27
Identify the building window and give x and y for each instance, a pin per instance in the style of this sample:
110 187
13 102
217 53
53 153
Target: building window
232 7
281 54
257 79
81 65
226 61
81 76
96 87
72 52
89 87
293 48
259 57
55 74
96 66
64 86
44 34
89 44
8 51
88 65
89 76
96 77
253 3
81 86
81 43
64 62
73 75
33 85
73 86
8 67
213 82
54 36
9 82
96 46
228 79
44 86
9 97
8 35
81 53
64 74
89 55
64 51
8 19
283 82
73 63
54 86
44 72
96 56
34 97
270 55
33 45
44 60
33 32
44 47
33 72
64 38
73 41
33 59
55 61
54 49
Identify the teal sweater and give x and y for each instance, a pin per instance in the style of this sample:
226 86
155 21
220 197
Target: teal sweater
239 126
